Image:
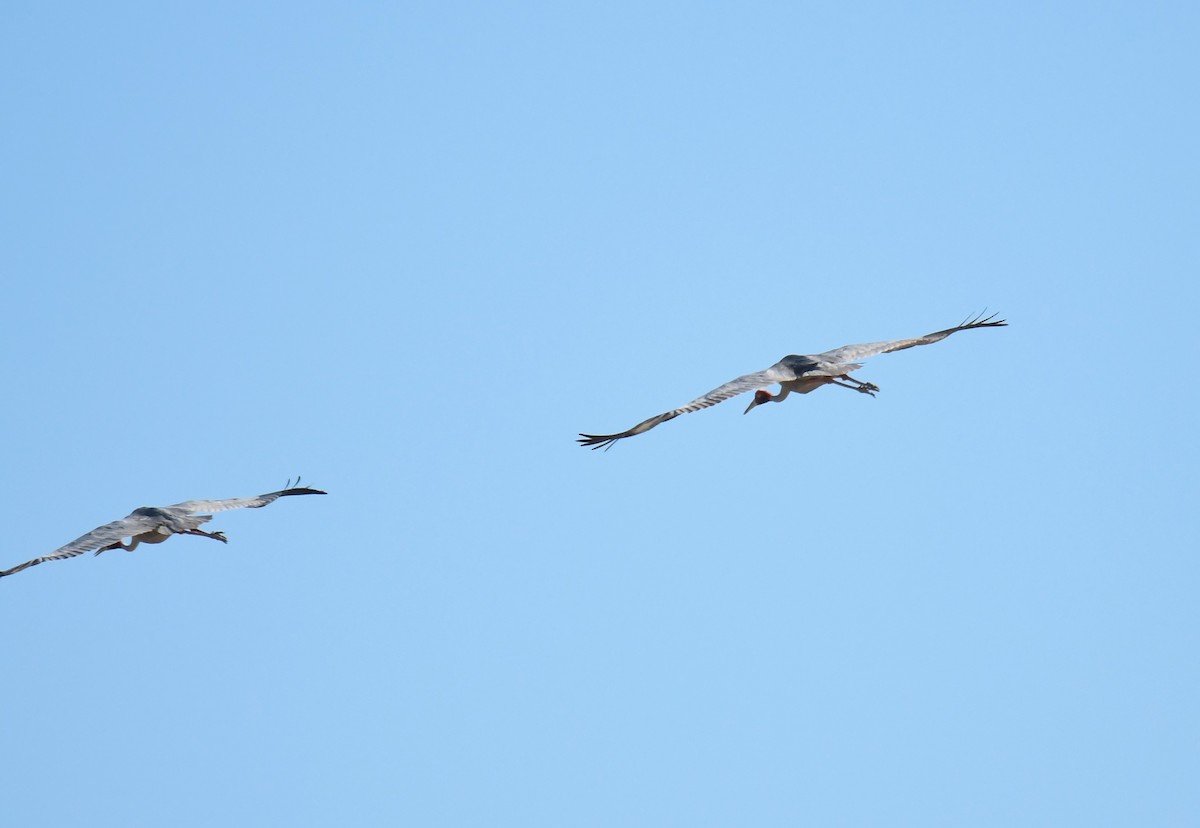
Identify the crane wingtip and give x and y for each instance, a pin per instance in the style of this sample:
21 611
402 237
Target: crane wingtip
595 441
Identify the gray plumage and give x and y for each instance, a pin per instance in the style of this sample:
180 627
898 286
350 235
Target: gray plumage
154 524
795 374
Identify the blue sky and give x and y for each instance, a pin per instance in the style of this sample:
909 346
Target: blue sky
410 251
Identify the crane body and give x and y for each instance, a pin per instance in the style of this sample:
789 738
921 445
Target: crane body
154 524
795 374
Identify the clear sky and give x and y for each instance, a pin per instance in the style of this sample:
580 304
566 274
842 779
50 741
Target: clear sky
410 250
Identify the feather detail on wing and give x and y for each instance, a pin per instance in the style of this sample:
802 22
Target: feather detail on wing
99 537
853 353
196 506
779 372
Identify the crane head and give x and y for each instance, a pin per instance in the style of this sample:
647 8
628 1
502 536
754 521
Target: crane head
760 397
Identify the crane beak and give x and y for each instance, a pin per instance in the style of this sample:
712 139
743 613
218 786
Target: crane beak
760 397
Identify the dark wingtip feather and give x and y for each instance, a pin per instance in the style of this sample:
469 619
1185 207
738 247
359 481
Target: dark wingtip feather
20 567
982 321
595 441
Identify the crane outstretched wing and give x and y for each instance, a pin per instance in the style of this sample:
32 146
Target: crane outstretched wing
197 506
99 537
853 353
749 382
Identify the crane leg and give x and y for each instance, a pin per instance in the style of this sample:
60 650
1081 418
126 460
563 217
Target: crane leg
220 536
869 385
862 387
